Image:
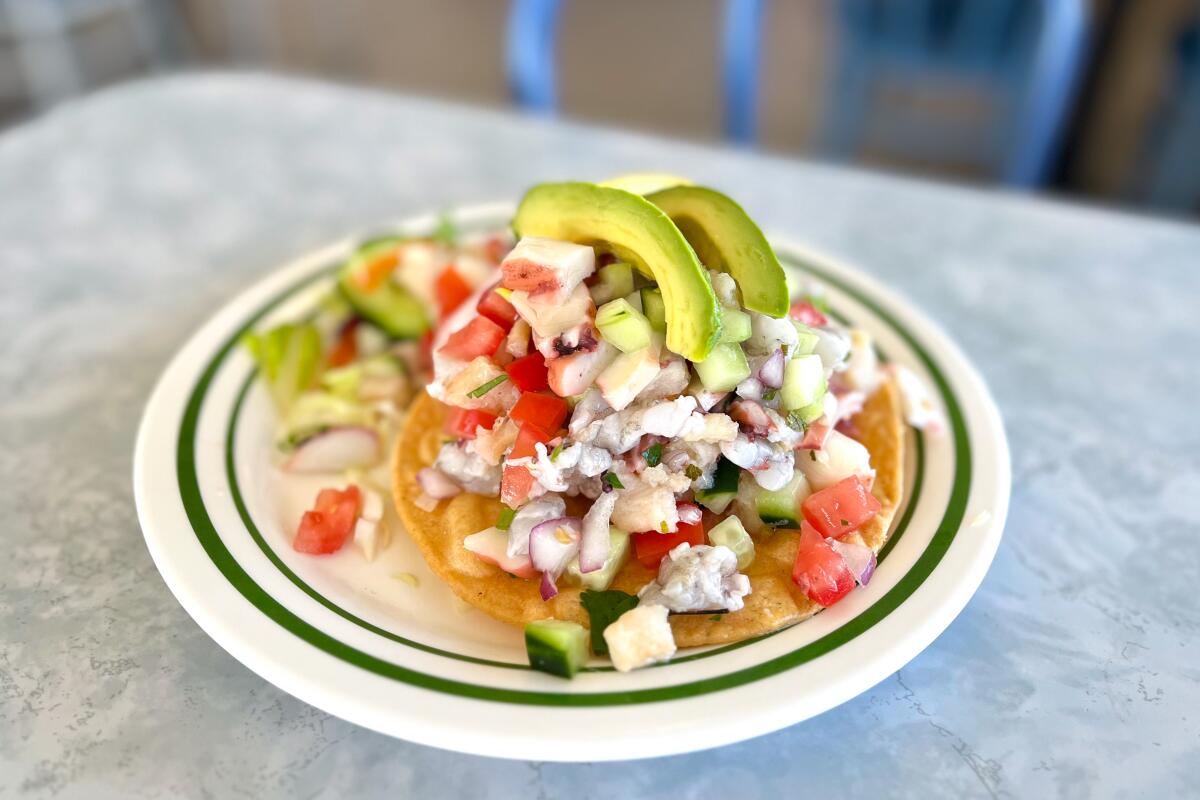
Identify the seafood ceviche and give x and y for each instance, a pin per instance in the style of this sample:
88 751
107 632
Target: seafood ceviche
639 431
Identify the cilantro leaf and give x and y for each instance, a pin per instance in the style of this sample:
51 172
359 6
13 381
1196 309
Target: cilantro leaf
481 390
504 521
603 609
653 454
612 480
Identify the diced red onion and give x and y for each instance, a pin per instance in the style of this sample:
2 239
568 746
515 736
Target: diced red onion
771 372
593 544
547 552
548 588
689 513
860 559
437 484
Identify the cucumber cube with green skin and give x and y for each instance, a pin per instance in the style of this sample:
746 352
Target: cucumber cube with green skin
730 533
803 382
724 369
613 281
600 579
623 326
654 307
782 507
735 325
808 340
556 647
813 411
387 305
725 485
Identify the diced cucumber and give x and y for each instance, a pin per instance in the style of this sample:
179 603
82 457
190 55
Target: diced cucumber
813 411
601 579
732 534
557 647
313 412
725 485
803 382
735 325
782 506
725 368
345 381
654 307
808 340
613 281
386 304
623 326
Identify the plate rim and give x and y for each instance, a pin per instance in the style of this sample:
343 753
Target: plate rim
880 299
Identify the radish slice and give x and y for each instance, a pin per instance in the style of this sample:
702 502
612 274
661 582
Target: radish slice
437 484
334 450
593 546
771 372
860 559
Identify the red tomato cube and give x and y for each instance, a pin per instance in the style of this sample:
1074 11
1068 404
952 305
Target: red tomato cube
451 290
651 547
819 571
479 337
544 411
840 509
497 309
515 485
529 373
330 523
463 422
527 437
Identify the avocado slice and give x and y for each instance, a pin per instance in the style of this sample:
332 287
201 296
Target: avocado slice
638 232
725 238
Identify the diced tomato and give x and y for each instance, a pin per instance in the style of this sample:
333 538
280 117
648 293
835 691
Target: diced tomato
545 411
515 485
426 349
497 309
451 291
652 546
345 349
808 314
374 272
529 373
819 571
479 337
839 509
527 437
462 422
329 524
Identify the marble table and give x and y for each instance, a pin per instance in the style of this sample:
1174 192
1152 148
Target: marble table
126 218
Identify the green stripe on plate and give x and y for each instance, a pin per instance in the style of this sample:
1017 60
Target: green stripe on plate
210 540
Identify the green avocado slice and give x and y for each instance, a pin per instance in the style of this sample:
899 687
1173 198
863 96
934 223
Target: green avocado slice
638 232
725 238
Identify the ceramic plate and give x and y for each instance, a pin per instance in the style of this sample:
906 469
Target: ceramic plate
352 638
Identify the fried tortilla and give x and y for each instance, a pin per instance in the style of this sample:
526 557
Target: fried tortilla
775 601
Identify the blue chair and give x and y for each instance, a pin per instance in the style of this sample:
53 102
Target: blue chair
1018 59
1171 161
1021 57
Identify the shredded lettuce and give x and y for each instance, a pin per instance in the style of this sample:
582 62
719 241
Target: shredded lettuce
288 357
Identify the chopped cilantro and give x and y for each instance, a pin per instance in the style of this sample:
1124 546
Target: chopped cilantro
784 349
818 302
480 391
716 618
603 609
845 522
812 455
664 527
796 422
504 521
653 454
556 452
769 395
612 480
692 471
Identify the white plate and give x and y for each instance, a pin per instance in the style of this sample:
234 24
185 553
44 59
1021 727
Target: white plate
350 638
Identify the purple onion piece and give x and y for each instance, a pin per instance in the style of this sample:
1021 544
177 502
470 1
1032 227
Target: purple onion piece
860 559
771 372
548 588
593 545
547 552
